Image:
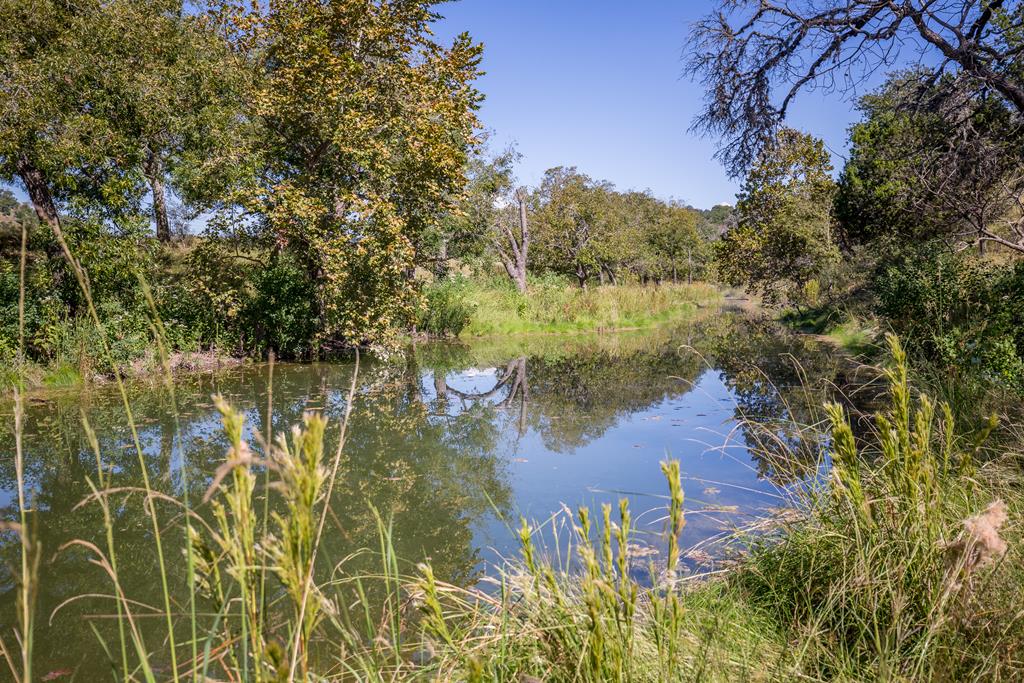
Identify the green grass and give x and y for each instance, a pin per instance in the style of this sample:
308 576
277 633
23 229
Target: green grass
853 336
555 306
838 326
62 375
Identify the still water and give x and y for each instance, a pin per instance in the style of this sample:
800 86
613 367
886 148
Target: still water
451 441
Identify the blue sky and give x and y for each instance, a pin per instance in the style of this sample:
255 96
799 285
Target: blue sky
598 84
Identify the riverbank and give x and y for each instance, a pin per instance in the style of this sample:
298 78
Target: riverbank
147 367
472 308
853 333
482 307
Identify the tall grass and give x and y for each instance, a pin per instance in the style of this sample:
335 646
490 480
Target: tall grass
904 565
883 580
487 307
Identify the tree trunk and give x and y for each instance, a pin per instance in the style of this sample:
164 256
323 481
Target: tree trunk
524 392
155 175
441 385
38 193
689 266
524 243
521 280
514 250
441 265
46 210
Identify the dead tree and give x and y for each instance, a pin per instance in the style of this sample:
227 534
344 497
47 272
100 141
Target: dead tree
513 243
755 56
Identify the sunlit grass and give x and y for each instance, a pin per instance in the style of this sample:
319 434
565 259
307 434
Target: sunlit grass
559 307
850 333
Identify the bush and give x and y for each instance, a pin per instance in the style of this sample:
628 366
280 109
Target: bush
898 572
446 310
957 311
279 312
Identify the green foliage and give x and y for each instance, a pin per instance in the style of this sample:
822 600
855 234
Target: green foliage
473 226
361 145
877 193
678 246
571 211
314 218
783 238
957 310
446 311
278 313
587 230
890 568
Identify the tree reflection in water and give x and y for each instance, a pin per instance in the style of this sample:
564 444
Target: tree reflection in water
426 446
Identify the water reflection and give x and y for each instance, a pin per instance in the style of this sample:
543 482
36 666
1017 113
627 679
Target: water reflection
450 443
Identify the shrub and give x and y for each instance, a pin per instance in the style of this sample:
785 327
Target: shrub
278 314
957 311
446 310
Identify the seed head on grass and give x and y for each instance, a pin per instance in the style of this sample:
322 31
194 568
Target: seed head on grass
979 544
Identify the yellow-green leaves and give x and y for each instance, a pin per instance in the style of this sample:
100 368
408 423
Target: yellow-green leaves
784 235
365 121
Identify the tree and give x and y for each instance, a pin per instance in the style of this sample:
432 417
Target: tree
715 221
933 160
623 229
55 136
750 48
184 92
513 244
364 122
490 216
783 238
876 194
569 206
102 97
677 243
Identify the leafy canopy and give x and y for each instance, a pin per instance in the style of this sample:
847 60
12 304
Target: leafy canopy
783 238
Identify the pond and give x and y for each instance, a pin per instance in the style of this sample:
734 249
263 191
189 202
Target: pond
451 442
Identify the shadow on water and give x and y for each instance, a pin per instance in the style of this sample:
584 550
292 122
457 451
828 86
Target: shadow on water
453 442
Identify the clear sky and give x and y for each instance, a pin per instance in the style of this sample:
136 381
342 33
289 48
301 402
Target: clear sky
599 84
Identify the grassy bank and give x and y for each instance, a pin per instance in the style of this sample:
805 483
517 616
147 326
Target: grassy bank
904 564
552 305
477 307
848 331
86 369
